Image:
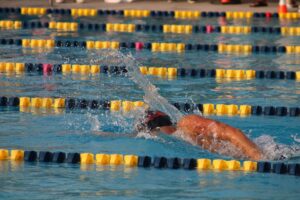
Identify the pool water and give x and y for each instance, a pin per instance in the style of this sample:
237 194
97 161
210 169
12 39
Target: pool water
76 130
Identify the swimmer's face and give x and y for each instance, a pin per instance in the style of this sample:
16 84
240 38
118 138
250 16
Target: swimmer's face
142 128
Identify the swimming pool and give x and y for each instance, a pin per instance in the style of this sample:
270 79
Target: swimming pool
74 130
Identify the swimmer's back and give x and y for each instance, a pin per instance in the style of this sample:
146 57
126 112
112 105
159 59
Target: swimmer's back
194 124
194 120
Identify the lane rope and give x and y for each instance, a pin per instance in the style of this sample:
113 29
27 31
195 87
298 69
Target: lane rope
164 72
24 103
164 28
160 162
177 14
154 46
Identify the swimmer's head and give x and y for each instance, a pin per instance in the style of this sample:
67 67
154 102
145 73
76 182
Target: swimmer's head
153 120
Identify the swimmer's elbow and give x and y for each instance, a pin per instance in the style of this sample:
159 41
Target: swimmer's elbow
256 156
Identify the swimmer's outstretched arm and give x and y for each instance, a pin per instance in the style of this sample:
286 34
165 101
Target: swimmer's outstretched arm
110 134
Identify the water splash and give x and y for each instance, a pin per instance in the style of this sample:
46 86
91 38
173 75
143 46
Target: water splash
275 151
296 139
151 93
94 121
147 136
152 96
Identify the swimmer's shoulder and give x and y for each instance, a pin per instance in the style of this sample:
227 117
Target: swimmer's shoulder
191 119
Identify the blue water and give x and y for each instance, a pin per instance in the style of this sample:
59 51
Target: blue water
76 131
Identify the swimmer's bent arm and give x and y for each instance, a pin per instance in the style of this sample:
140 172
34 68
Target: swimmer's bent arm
205 130
237 138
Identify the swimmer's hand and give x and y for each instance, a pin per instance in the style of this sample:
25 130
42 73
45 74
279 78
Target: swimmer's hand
141 128
110 134
104 133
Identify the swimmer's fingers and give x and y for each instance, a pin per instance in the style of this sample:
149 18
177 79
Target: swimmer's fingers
101 133
114 135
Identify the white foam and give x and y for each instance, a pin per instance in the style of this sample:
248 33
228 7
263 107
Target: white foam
94 121
274 151
296 139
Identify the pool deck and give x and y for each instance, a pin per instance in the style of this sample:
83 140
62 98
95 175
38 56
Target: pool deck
145 4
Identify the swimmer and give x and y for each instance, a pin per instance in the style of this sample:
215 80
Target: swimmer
204 132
